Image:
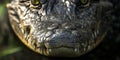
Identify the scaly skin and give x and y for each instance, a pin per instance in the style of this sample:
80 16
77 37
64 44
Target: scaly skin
59 27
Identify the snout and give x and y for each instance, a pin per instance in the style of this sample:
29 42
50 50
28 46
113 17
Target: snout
63 39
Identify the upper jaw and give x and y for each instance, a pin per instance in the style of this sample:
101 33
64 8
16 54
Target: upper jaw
62 42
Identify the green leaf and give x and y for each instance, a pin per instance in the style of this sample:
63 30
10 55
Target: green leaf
10 50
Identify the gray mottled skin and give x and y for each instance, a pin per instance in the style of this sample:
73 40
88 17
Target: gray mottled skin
59 27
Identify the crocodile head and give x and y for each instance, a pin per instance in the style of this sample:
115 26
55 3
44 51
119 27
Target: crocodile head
67 28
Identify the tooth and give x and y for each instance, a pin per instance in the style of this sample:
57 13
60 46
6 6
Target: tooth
84 49
95 33
50 50
89 47
75 49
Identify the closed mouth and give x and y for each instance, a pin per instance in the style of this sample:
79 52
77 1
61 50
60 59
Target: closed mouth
60 51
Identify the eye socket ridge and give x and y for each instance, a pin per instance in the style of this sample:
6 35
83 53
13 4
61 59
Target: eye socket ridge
84 2
81 2
38 2
22 1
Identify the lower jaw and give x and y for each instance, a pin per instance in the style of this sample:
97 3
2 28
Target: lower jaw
69 52
62 52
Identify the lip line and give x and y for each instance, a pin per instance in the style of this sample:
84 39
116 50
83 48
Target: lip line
66 51
70 45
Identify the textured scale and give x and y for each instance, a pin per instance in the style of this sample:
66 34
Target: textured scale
54 27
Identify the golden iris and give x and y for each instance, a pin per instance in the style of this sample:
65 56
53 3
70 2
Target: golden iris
84 1
35 2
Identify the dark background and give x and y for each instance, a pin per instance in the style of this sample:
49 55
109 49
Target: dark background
11 47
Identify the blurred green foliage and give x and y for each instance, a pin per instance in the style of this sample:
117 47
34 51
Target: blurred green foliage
8 51
7 42
2 8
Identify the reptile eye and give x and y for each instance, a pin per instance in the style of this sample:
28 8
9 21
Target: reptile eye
38 2
83 2
35 2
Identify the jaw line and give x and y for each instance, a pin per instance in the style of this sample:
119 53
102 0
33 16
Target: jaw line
63 51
